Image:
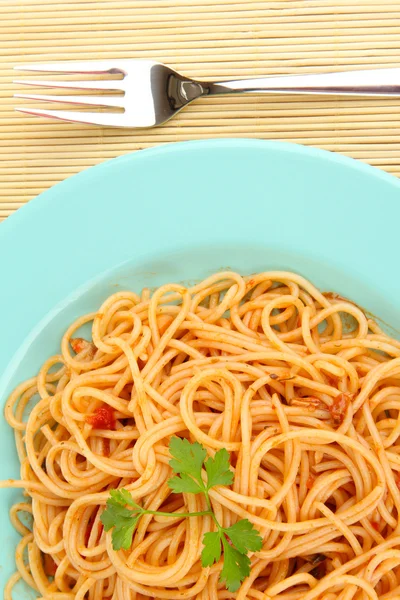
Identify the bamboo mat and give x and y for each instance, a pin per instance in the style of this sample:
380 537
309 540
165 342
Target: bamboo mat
204 39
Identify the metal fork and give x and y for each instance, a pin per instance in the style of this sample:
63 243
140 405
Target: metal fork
153 92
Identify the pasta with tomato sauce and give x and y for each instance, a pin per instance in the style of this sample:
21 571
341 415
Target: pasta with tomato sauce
266 367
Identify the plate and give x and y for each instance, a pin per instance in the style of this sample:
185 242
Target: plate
179 213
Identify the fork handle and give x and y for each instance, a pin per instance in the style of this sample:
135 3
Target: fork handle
373 82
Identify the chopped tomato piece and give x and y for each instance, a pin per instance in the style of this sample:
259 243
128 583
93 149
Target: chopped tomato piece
375 525
106 447
339 408
50 566
103 418
80 344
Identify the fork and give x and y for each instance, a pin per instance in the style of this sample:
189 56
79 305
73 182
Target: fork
153 92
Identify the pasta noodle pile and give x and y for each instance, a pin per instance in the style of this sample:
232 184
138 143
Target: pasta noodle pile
301 388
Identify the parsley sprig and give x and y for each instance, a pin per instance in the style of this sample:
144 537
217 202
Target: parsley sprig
233 543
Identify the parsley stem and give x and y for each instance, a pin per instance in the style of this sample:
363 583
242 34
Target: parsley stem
208 501
211 512
201 513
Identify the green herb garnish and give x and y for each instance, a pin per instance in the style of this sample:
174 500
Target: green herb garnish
122 513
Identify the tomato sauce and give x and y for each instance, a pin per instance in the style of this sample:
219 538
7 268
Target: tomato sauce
80 344
339 408
106 447
102 418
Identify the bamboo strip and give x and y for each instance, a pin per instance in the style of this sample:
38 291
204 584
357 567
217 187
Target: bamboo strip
11 205
142 136
169 21
244 39
292 6
104 18
150 5
348 31
249 50
349 143
121 146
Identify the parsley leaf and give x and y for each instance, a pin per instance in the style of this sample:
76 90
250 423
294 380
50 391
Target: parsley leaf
244 537
186 457
123 533
236 567
112 515
123 497
121 518
184 483
187 461
211 552
218 469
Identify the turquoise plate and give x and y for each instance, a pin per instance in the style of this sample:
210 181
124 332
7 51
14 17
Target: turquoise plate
178 213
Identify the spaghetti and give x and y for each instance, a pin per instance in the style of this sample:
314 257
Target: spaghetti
302 389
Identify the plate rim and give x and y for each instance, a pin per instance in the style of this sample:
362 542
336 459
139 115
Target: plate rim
36 202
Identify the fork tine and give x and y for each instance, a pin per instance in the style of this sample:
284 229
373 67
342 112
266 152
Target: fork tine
117 101
115 84
110 119
88 66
